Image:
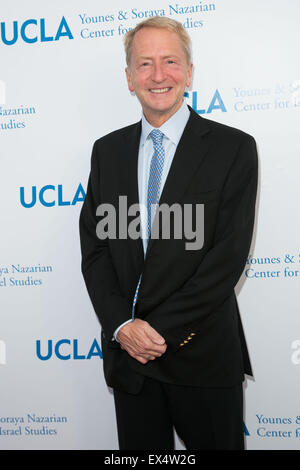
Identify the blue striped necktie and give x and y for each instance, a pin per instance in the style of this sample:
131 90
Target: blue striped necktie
153 194
156 169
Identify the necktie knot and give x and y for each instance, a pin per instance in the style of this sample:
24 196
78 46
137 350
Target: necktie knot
157 136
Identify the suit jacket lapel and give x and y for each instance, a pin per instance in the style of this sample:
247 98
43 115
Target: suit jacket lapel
128 173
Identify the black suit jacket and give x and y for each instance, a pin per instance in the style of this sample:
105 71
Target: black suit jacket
187 296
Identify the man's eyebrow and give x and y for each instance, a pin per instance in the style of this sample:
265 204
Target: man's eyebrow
168 56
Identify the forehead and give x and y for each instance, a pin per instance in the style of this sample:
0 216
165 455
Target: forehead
156 41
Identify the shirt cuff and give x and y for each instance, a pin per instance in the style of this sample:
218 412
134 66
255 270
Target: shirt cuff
116 331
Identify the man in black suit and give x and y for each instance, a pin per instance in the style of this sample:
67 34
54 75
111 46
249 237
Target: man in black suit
172 340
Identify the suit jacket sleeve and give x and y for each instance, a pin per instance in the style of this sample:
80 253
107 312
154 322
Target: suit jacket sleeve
220 269
111 307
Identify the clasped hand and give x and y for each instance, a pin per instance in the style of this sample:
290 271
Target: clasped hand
141 341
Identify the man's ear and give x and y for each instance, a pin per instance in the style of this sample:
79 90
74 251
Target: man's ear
129 81
189 75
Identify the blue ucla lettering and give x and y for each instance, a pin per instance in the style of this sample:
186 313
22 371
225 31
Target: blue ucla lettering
94 350
75 351
44 38
48 200
194 104
79 195
9 42
216 103
246 432
72 351
33 198
38 350
61 202
41 195
32 37
57 351
23 31
63 30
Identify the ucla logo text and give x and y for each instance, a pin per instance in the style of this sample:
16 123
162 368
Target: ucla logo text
66 349
215 103
49 196
32 31
246 432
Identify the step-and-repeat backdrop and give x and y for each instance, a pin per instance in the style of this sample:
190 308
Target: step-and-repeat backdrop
62 85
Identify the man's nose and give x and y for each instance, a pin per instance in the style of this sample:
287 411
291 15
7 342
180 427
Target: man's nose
158 73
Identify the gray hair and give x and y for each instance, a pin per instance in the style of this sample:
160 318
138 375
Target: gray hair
159 22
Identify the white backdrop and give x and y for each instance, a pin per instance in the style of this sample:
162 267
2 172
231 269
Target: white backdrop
62 85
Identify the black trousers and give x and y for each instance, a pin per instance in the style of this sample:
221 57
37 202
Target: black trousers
204 418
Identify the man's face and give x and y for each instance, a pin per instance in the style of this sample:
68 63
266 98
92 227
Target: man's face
158 73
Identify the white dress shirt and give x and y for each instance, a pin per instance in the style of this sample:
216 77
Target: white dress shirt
172 129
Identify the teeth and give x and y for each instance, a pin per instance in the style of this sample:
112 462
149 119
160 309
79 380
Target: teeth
159 90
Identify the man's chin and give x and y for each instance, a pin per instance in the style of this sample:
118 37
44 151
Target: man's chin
158 115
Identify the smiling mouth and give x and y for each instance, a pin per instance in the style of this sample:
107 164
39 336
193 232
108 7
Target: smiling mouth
159 90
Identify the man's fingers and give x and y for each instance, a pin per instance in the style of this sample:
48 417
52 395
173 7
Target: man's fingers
143 359
144 346
153 349
145 354
154 335
157 348
138 338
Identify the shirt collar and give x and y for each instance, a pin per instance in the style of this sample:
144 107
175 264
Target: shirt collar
172 128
